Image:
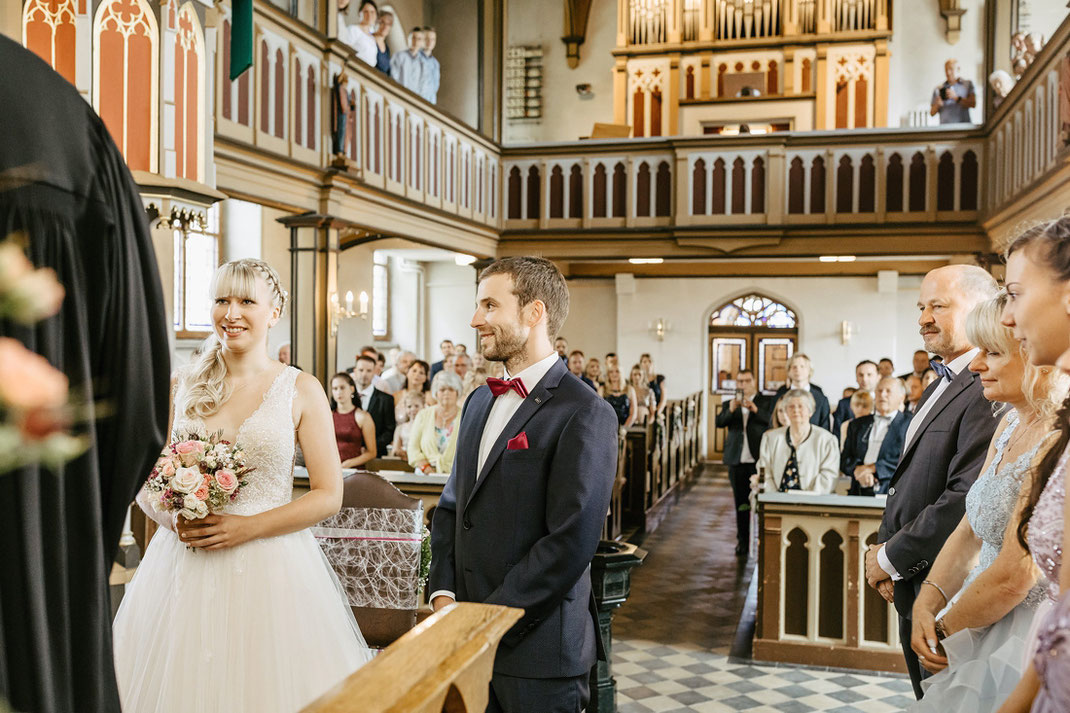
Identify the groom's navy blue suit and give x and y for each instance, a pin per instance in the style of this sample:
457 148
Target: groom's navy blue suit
523 533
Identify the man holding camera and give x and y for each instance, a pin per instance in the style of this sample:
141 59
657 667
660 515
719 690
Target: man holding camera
746 417
953 99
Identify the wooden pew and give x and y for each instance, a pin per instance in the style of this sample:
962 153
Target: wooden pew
443 665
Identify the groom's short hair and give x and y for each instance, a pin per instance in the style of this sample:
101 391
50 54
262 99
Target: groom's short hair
535 278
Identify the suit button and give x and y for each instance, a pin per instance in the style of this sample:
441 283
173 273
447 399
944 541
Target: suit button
891 491
467 524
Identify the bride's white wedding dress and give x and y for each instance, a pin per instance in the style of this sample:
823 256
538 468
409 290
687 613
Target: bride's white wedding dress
258 628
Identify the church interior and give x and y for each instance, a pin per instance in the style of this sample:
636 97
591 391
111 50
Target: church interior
724 184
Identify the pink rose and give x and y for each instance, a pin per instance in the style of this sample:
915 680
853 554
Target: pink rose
227 480
201 493
168 468
27 380
188 451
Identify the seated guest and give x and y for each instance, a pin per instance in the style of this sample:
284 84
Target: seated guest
873 443
746 417
866 375
655 380
848 392
612 362
561 347
462 363
927 378
593 371
576 364
799 456
861 405
382 31
885 367
914 392
433 440
411 404
990 580
447 350
416 382
621 397
644 395
354 430
920 363
393 379
284 353
800 371
380 405
472 381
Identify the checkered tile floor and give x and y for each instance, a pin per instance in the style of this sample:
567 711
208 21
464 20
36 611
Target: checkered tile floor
671 639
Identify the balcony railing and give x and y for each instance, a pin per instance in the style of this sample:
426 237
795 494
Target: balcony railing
780 179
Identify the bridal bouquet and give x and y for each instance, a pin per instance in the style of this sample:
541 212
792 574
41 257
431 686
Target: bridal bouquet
197 476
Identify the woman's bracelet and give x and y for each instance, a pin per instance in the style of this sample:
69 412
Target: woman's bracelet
938 588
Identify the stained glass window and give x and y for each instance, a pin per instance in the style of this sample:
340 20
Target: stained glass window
753 311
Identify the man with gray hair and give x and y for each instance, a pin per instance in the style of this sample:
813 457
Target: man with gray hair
873 443
944 449
393 379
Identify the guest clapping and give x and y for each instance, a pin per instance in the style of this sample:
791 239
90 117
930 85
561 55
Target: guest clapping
799 456
874 443
354 430
434 432
800 371
621 397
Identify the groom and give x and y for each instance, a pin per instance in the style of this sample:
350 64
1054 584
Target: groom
520 517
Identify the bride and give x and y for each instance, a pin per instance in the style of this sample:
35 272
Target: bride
241 611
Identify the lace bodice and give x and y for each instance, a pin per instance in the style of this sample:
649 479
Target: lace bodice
267 437
1045 532
990 504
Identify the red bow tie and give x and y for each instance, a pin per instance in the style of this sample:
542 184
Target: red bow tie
502 386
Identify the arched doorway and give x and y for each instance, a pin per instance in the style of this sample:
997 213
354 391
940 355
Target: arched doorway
755 332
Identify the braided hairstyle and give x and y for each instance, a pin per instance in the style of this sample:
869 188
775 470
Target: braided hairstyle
206 375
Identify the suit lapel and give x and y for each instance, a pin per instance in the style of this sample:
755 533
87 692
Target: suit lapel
535 400
961 383
469 438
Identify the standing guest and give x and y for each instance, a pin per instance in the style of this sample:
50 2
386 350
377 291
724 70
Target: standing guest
284 353
433 440
593 371
746 418
867 376
920 365
914 393
461 365
945 447
1038 286
354 430
416 382
953 99
520 517
984 628
849 391
621 397
861 405
393 379
576 364
411 404
461 349
446 347
799 456
873 443
612 362
645 402
885 367
431 72
406 68
382 32
561 347
375 402
800 371
380 366
360 35
655 380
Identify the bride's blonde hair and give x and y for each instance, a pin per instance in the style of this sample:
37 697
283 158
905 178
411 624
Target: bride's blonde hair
206 376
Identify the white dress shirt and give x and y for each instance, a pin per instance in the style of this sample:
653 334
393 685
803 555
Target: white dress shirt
881 424
956 365
503 409
365 396
745 455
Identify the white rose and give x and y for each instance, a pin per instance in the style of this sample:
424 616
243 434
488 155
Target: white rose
202 509
187 480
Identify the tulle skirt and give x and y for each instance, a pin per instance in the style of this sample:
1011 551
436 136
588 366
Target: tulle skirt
985 664
263 627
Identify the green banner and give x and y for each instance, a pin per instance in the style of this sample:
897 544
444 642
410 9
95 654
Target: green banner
241 37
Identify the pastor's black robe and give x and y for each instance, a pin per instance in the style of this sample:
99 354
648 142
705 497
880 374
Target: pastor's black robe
65 184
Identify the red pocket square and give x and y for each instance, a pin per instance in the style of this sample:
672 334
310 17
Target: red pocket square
520 443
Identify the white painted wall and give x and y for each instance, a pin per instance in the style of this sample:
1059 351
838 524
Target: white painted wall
450 291
592 318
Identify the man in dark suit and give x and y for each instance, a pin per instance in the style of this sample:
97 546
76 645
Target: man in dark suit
521 514
874 443
946 443
920 364
577 362
378 404
447 351
866 375
746 417
800 371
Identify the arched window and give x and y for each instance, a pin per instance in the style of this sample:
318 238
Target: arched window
50 32
189 93
754 310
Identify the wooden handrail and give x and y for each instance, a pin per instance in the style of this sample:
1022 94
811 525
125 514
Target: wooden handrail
443 665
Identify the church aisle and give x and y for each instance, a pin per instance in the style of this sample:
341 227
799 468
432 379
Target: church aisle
672 638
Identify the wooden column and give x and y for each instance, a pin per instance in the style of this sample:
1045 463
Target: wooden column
620 90
704 76
676 21
821 90
673 128
881 65
705 28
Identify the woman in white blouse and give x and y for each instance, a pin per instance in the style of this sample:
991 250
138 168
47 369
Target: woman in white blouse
799 456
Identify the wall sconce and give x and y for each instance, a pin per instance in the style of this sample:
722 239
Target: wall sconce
338 312
659 328
846 330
